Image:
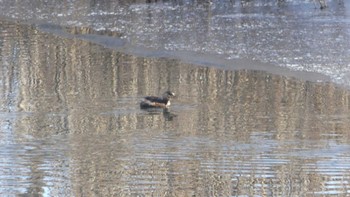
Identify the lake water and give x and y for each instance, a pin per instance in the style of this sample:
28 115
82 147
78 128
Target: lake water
291 34
244 122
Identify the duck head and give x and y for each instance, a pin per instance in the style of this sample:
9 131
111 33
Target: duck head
168 94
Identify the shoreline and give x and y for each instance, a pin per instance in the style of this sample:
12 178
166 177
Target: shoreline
282 39
192 58
202 60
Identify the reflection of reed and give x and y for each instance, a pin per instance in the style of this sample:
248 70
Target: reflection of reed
71 85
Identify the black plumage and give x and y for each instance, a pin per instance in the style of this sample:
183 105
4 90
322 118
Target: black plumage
157 102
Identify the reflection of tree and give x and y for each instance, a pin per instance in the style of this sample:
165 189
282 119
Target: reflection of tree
91 93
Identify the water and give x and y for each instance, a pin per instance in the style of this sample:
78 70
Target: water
70 124
295 35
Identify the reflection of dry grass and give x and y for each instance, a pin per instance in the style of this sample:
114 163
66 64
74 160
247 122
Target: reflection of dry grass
217 101
91 94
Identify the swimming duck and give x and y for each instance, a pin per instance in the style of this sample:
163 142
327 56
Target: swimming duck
157 102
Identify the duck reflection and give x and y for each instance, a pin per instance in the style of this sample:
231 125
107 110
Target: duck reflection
167 114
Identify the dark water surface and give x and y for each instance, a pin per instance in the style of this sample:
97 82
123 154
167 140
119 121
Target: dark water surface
71 125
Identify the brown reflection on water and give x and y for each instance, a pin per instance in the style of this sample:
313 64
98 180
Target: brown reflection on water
70 125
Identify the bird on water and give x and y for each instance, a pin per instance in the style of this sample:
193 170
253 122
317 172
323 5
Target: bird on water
157 102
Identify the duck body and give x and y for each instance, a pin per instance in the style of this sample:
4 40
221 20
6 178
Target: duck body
150 102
